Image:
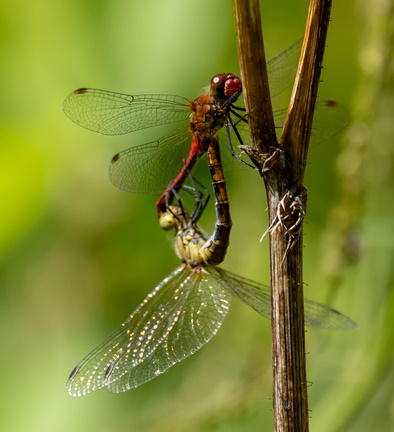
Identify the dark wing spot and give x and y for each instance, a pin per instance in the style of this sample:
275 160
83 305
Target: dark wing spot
108 372
115 158
73 373
81 91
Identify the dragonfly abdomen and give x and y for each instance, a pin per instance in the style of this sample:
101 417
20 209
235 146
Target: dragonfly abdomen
214 250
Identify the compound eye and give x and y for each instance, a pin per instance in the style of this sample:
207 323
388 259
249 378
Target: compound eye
167 221
217 86
224 86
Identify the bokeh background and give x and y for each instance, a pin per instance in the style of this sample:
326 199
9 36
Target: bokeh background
77 255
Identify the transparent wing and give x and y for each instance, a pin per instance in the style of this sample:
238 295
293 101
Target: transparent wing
326 317
111 113
329 119
199 319
259 298
177 318
282 68
149 168
252 293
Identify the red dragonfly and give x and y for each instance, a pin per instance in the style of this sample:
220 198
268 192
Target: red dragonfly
164 164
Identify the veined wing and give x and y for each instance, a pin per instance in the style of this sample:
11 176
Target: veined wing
258 296
329 119
177 318
149 168
199 320
111 113
282 68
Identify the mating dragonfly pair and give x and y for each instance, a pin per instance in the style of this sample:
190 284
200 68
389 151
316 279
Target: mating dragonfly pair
187 308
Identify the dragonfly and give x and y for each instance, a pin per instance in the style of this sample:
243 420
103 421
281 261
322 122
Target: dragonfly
164 164
183 312
213 251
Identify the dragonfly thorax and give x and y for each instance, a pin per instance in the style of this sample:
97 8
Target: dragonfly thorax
188 245
207 118
210 110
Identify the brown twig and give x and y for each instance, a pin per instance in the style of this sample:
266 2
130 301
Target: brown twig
255 85
282 168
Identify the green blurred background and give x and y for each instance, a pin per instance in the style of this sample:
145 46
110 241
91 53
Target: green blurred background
78 255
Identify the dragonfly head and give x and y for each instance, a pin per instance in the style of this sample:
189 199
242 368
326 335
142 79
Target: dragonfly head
226 86
173 218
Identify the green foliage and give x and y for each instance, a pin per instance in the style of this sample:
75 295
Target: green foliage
77 255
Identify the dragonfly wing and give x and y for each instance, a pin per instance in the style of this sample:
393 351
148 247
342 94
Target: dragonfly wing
252 293
329 119
149 168
282 68
326 317
259 298
92 372
177 318
111 113
191 320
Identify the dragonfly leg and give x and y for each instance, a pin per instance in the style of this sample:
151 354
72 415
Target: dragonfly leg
200 202
240 117
230 144
168 195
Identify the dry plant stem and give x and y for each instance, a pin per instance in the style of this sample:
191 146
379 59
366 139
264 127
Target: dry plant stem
282 168
298 124
255 85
